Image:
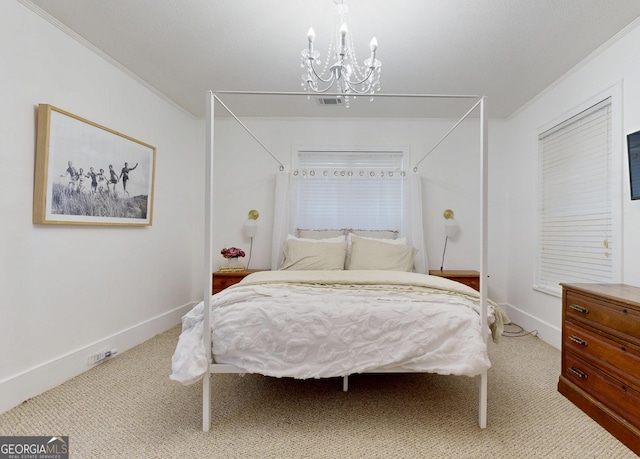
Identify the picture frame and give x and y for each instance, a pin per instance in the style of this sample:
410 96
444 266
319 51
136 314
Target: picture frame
633 148
87 174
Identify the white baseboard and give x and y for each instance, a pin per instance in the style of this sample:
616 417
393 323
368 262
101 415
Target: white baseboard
548 333
29 383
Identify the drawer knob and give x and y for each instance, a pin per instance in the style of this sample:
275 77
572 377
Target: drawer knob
579 373
580 341
575 307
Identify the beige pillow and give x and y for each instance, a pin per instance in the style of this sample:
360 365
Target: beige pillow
372 254
399 241
302 255
347 263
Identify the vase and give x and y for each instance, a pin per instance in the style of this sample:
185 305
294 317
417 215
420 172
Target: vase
232 262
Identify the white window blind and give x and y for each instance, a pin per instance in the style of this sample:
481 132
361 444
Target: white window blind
349 189
575 221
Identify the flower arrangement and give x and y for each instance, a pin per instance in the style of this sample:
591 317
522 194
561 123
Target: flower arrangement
232 252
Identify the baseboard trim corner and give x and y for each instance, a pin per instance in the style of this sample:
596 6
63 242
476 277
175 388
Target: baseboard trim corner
546 332
22 386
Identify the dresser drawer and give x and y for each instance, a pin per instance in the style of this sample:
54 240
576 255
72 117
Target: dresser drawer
619 359
612 318
618 396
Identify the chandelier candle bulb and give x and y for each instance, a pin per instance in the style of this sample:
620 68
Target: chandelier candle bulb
374 46
311 35
343 39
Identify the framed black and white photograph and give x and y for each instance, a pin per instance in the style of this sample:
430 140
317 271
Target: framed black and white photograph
87 174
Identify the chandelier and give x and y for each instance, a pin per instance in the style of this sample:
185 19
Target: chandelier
341 66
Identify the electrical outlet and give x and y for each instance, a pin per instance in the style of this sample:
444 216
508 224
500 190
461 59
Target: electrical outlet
100 356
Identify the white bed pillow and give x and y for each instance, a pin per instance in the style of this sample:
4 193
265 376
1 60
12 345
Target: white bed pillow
329 239
320 234
376 234
369 253
304 255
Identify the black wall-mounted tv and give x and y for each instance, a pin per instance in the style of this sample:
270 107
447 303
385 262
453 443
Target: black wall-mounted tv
633 145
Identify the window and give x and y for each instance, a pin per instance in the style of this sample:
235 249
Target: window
350 189
577 238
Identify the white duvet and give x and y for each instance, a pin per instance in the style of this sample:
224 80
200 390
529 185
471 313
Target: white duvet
317 324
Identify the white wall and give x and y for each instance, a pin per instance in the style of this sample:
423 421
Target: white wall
245 174
617 64
67 292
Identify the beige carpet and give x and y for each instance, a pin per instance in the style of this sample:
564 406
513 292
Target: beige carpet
128 408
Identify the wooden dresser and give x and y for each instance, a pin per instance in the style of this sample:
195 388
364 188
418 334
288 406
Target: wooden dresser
601 356
220 281
466 277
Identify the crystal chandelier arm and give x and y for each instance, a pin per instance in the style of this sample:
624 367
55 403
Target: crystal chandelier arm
356 83
312 67
355 90
313 84
320 91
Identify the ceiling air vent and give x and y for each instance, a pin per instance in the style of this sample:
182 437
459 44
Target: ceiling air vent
329 101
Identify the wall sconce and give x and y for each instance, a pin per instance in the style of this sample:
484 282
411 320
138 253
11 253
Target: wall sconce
250 228
450 225
450 231
251 225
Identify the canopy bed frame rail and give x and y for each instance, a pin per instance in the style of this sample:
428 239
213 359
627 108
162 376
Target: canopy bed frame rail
208 261
224 368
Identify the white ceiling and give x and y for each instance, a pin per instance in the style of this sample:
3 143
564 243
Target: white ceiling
508 50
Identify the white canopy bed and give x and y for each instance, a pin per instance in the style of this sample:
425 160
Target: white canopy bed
238 336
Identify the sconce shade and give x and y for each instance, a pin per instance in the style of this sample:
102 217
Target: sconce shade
251 225
450 225
250 228
450 228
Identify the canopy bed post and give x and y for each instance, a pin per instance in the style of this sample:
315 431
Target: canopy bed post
208 263
484 174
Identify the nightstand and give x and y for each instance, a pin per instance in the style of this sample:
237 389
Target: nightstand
220 281
468 277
